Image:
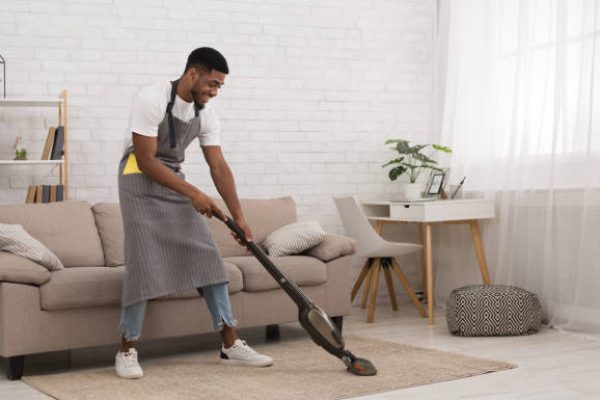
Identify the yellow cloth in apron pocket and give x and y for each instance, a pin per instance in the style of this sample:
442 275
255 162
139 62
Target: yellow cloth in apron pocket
131 167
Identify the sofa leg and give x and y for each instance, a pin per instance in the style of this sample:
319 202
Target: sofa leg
272 333
14 367
339 322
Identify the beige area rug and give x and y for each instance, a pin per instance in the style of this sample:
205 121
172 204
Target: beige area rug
301 371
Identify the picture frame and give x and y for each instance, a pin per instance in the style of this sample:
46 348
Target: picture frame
436 183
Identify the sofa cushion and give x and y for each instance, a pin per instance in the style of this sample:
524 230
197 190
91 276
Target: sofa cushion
303 270
80 287
263 216
67 228
236 284
14 239
17 269
110 227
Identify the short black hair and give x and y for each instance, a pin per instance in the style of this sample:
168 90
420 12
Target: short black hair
208 58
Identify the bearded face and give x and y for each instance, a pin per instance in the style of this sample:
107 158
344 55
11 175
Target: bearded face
206 85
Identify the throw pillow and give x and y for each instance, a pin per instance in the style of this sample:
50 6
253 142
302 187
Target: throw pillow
110 229
14 239
333 246
294 238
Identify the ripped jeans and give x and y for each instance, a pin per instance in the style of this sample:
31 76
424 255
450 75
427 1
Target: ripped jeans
217 299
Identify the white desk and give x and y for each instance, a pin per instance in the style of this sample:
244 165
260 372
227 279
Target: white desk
426 213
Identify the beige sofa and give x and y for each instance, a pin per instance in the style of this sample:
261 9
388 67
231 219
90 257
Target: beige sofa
79 306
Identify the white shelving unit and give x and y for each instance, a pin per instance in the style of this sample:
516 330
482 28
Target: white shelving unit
30 102
17 162
61 104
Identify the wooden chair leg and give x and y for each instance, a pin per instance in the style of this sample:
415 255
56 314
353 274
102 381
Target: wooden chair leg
367 285
407 287
360 279
373 290
390 285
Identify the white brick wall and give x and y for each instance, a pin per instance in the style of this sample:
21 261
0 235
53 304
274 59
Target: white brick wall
315 88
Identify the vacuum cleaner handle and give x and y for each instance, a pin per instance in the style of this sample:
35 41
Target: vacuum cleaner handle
286 284
233 226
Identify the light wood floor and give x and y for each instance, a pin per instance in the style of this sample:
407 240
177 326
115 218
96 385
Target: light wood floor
551 365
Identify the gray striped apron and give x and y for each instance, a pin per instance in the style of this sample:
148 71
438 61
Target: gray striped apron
168 246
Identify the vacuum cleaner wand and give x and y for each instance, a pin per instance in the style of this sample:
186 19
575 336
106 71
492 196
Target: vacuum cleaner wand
315 321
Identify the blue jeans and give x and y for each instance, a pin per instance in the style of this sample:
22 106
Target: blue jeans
217 299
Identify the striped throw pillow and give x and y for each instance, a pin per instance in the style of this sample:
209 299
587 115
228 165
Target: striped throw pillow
294 238
14 239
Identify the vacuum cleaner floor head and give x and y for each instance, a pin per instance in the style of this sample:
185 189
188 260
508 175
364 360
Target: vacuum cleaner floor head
362 367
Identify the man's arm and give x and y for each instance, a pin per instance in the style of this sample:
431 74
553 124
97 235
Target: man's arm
225 184
144 148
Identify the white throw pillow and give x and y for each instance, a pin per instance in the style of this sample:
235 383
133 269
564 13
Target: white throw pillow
294 238
14 239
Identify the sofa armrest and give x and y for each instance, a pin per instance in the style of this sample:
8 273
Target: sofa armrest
338 282
332 247
18 269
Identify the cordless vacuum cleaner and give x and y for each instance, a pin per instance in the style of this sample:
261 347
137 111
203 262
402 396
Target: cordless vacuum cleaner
314 320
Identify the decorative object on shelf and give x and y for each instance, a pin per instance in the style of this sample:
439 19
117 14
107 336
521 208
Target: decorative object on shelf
412 162
3 62
454 190
20 150
436 184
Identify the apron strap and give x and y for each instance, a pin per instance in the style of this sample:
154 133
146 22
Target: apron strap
197 108
170 114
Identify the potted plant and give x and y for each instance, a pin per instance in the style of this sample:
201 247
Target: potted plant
20 150
412 162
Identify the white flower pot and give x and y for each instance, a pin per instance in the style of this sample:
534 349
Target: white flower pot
412 191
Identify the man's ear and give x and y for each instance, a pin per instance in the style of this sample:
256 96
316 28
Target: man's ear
192 74
198 71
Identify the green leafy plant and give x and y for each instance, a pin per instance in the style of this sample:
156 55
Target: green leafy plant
20 150
21 155
412 161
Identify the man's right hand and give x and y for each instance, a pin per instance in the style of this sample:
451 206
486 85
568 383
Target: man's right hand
205 205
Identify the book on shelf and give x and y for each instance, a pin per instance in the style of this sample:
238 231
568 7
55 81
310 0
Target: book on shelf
45 193
38 194
60 192
59 143
30 194
49 142
52 193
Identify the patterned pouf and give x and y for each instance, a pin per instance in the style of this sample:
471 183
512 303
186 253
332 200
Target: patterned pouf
493 310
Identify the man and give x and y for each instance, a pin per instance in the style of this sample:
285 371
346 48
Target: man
168 246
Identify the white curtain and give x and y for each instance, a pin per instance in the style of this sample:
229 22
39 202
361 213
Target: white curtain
518 85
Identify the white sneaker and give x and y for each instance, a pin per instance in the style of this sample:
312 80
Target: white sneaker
242 354
127 366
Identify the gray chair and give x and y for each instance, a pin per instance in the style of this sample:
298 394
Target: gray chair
379 254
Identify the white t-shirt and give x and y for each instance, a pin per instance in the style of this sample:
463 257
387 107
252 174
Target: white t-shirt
150 106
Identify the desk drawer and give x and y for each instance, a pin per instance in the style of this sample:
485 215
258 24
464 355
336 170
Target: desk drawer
408 212
443 210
